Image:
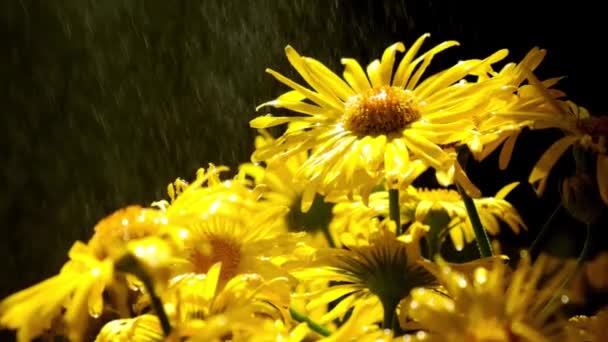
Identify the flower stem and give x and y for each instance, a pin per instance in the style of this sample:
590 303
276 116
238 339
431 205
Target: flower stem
300 317
389 308
483 242
130 264
393 209
544 230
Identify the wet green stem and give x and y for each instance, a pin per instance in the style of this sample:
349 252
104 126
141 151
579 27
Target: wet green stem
130 264
316 327
483 242
393 209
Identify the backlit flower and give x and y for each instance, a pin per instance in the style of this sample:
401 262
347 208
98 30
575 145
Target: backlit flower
380 125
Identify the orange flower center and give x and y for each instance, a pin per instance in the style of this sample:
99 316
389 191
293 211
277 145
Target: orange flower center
380 110
224 250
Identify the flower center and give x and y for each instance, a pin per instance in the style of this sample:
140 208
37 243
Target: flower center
380 110
224 250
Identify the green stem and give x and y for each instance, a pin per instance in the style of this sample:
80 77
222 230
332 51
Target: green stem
483 242
544 230
393 209
389 308
130 264
300 317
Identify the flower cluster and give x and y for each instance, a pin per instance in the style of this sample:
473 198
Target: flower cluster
324 234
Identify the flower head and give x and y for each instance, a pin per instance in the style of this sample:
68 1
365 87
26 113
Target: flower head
386 269
494 305
379 126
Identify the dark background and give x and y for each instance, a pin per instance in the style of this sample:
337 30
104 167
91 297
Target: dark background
105 102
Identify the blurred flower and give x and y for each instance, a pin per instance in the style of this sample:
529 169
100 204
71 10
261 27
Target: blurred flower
589 329
75 294
531 105
379 125
201 309
494 305
421 206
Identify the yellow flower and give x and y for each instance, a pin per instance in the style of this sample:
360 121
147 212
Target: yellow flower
77 288
385 270
134 222
201 309
421 204
499 126
418 206
536 106
494 305
379 125
225 221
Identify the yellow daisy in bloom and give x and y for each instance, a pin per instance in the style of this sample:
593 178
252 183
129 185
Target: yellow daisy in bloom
386 270
423 206
589 329
380 125
495 305
536 106
75 294
201 309
225 221
77 288
497 127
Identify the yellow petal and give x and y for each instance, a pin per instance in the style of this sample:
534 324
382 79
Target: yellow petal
403 70
424 149
507 151
373 71
388 61
319 99
354 75
541 170
301 67
502 193
335 83
269 121
426 58
213 277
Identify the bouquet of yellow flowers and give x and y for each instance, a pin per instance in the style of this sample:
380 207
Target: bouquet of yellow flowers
324 236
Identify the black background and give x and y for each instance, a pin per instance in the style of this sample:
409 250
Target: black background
105 102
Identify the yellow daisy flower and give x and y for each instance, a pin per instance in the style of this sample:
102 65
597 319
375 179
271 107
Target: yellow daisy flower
498 127
201 309
386 270
89 273
378 125
494 305
225 221
77 288
422 205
